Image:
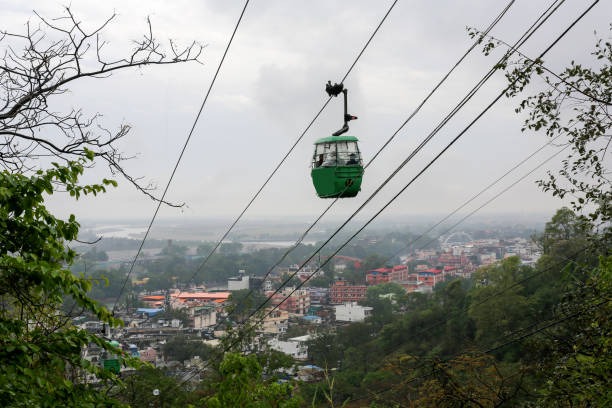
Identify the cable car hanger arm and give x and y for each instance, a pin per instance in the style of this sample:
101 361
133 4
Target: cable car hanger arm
334 90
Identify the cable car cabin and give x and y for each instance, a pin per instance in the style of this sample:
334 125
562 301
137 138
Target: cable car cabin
337 168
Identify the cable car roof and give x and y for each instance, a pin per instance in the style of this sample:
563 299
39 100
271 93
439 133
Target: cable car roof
333 139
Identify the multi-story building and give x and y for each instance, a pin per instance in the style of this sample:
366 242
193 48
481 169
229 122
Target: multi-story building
414 285
431 277
318 296
423 281
203 316
292 301
448 258
240 282
399 273
276 322
296 347
352 312
149 355
180 300
342 292
378 276
396 273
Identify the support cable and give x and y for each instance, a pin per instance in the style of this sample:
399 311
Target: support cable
299 139
178 161
418 108
470 94
456 210
428 165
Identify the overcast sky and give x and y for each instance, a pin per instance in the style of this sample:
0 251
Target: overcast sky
272 85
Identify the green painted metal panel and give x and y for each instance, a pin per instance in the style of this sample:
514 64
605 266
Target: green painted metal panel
340 181
332 139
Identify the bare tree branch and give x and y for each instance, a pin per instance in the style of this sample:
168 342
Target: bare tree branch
40 64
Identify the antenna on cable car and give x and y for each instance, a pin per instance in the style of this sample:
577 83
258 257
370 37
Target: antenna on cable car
335 90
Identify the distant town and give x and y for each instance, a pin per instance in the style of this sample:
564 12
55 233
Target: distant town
294 302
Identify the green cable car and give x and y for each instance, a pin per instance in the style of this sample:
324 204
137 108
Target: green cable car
337 168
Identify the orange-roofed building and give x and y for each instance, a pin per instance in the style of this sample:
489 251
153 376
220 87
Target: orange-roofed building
153 300
342 292
399 273
189 299
202 296
378 276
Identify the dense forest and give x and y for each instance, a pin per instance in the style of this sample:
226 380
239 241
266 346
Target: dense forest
509 336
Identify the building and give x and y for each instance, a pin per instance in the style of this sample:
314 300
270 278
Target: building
431 277
318 296
183 299
291 300
352 312
153 300
399 273
296 347
149 355
240 282
312 319
413 285
487 258
203 316
266 285
378 276
342 292
341 262
148 312
424 280
275 322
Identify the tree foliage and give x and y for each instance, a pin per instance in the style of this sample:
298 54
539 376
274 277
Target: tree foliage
499 304
41 362
242 303
39 346
581 358
180 349
241 385
140 385
573 108
385 299
515 335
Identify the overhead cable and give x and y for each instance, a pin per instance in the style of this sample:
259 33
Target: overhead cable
445 149
543 18
178 161
417 109
282 161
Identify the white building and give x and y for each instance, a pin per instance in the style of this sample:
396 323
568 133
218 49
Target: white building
239 283
295 347
204 316
352 312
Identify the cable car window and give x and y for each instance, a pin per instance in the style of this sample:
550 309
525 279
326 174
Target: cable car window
348 153
325 155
